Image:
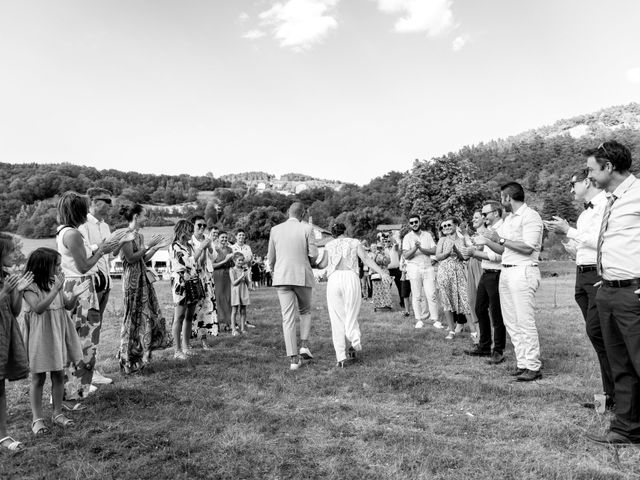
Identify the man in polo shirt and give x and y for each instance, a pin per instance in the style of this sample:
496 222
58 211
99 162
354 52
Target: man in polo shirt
488 297
417 248
96 230
618 260
519 244
582 242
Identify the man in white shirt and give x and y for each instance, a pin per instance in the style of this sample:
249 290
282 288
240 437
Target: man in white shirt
519 243
582 242
487 306
417 248
96 230
618 260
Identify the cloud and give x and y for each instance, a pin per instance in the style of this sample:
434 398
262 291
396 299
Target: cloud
299 24
253 34
633 75
460 41
243 17
434 17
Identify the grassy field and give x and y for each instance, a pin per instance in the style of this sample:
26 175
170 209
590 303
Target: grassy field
414 407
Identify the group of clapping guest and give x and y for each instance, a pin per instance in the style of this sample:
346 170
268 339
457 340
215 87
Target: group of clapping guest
66 291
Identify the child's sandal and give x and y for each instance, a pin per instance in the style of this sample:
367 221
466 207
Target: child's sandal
11 444
39 428
63 421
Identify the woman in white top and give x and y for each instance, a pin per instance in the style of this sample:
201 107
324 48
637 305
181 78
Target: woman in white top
78 263
343 290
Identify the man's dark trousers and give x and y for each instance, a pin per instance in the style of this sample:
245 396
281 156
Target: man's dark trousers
619 310
488 301
585 296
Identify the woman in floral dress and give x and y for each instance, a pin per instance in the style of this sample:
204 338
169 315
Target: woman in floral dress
452 275
143 328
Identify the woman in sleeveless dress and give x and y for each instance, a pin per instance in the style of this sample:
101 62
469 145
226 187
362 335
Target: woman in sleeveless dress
452 275
79 263
344 294
143 327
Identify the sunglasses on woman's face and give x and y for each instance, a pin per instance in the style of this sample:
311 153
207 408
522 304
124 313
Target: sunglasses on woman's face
446 225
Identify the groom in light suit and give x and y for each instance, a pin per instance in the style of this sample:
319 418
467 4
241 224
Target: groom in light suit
291 250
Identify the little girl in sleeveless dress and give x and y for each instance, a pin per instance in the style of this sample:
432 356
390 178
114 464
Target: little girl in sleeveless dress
50 334
240 282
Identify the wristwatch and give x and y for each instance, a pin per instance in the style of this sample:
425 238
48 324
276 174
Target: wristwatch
502 240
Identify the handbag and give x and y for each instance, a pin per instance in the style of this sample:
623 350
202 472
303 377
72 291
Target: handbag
152 276
193 289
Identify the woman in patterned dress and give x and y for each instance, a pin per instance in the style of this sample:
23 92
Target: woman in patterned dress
143 328
452 275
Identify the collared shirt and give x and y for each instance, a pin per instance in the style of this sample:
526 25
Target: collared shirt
419 259
245 250
95 232
394 256
523 225
621 244
495 259
585 236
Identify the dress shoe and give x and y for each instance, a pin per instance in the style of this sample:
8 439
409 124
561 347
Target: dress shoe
477 352
529 375
351 353
344 363
518 371
611 438
496 358
305 353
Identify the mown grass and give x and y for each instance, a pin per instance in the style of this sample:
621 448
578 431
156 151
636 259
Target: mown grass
414 407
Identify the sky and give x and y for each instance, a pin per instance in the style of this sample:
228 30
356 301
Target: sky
338 89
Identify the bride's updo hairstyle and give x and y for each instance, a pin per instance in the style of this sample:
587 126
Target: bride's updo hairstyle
128 211
338 229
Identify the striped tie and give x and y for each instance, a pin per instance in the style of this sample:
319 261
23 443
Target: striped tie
603 228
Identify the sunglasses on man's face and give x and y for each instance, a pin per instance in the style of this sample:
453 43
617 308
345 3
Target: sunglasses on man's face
446 225
200 225
105 200
414 223
484 214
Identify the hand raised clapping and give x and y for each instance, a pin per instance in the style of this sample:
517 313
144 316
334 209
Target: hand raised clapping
17 282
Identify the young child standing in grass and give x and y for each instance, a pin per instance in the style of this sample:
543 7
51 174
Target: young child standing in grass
13 357
240 281
50 334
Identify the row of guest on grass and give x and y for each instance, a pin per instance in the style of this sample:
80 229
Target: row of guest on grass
66 292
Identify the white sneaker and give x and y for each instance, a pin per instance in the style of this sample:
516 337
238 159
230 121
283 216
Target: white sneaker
450 335
419 324
474 337
305 353
99 379
459 328
296 366
437 324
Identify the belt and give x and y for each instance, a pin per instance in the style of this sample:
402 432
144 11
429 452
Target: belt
633 282
524 265
586 268
489 270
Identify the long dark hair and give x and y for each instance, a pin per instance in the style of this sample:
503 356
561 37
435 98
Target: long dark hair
42 263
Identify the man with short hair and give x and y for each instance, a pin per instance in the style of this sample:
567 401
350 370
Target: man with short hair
95 230
487 308
519 243
292 248
618 261
582 243
417 248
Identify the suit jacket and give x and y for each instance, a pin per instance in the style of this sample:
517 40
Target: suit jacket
291 245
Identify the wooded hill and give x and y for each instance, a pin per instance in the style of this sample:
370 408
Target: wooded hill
542 160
